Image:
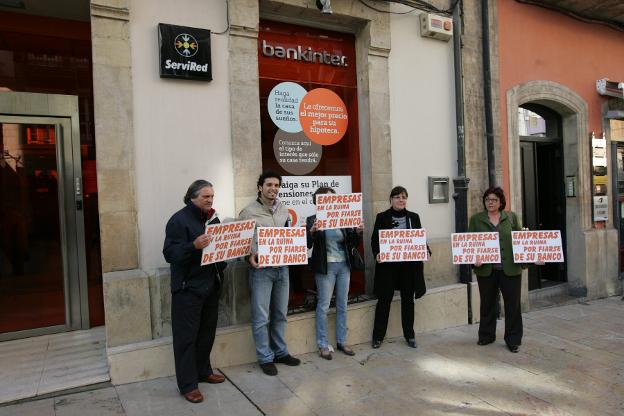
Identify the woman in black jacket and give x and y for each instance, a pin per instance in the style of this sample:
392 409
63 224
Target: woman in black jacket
331 265
407 277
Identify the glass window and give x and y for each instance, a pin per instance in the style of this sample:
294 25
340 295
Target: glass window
530 123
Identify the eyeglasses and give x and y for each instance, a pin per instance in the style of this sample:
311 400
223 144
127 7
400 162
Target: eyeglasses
492 200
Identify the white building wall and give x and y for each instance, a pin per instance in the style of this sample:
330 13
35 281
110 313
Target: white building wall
422 119
181 128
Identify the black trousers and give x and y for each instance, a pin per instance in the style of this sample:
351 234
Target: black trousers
510 288
404 279
194 324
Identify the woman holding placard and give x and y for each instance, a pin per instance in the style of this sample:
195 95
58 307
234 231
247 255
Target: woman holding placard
333 253
406 276
504 276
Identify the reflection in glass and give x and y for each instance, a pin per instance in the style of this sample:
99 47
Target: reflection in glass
31 264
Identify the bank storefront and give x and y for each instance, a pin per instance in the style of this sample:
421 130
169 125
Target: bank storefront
114 136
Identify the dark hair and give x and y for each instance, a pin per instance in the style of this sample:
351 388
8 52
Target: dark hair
498 191
322 190
194 189
266 175
398 190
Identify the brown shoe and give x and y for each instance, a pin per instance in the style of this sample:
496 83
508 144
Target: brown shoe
194 396
213 378
325 353
346 349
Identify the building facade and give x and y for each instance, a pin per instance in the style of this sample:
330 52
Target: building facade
88 121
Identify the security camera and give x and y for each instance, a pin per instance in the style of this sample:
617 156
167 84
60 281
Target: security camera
324 6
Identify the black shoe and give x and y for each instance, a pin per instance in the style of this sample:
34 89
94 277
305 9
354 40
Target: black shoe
485 341
513 348
411 342
288 360
376 343
269 369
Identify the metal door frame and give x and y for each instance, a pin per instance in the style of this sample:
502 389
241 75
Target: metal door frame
61 111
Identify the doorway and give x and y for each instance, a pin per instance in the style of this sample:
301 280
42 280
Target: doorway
43 279
543 192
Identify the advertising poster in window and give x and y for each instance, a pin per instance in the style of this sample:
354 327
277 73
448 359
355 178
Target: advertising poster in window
308 102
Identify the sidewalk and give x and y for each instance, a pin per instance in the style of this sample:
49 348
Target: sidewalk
571 363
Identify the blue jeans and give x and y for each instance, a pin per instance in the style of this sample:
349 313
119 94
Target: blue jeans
338 275
269 298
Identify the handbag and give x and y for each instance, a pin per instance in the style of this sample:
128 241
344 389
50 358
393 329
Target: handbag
355 259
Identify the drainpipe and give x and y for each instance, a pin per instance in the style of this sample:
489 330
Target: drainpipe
460 183
487 91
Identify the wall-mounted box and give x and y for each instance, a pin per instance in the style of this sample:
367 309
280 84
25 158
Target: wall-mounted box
438 189
436 27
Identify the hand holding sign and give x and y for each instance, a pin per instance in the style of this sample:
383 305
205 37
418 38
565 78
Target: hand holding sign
202 241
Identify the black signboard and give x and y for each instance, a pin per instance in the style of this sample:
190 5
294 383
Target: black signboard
184 52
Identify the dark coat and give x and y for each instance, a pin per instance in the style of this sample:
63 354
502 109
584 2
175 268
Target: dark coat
186 271
384 272
318 261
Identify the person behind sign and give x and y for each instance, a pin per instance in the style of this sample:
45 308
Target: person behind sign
331 264
504 276
194 290
269 285
407 277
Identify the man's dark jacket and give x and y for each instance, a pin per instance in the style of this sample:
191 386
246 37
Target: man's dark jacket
186 272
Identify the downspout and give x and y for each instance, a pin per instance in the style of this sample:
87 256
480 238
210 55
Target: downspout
460 183
487 91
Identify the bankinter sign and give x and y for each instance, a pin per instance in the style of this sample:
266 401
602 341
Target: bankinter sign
303 54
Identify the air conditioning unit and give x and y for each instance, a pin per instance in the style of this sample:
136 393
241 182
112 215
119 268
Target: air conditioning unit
436 27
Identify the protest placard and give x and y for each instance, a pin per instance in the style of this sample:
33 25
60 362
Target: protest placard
296 193
282 246
229 241
470 248
403 245
537 246
338 211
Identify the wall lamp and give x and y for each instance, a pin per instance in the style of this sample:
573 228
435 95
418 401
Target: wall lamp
324 6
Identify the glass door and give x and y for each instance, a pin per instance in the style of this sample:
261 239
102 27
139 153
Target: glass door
42 262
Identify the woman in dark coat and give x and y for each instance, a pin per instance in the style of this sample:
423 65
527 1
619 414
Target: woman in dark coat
407 277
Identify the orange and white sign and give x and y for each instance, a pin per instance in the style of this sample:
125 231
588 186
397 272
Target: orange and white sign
323 116
229 240
537 246
338 211
282 246
403 245
471 248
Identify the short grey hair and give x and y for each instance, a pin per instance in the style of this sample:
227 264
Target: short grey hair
195 188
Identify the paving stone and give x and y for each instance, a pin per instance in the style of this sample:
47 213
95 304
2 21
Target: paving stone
103 402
